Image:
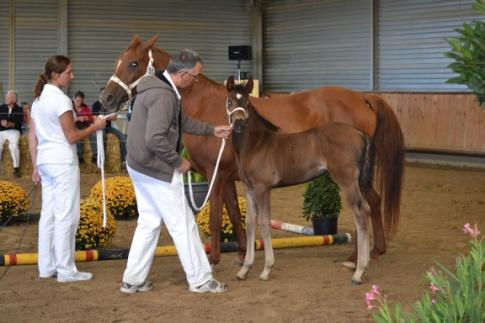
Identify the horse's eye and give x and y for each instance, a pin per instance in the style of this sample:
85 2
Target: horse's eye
133 64
229 103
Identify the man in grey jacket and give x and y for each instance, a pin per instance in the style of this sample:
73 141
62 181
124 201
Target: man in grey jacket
156 167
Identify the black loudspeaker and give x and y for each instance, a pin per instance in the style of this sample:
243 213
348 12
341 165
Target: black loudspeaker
239 53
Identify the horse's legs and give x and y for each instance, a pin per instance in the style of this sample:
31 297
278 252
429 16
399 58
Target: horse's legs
231 202
215 222
264 217
374 201
251 214
360 210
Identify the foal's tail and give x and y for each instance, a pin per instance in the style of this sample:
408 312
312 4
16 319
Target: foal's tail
389 145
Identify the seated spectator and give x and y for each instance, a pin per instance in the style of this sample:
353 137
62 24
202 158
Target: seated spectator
26 119
97 109
84 118
11 116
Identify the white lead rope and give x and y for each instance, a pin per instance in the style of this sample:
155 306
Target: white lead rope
191 193
100 163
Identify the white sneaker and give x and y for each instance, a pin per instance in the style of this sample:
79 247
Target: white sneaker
54 275
210 286
77 276
132 289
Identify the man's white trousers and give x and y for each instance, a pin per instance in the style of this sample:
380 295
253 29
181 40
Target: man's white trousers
162 202
13 137
59 219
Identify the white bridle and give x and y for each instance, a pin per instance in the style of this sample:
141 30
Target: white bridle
129 88
230 113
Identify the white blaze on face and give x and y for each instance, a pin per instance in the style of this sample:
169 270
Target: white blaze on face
119 64
239 96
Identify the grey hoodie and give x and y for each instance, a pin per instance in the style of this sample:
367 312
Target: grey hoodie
153 131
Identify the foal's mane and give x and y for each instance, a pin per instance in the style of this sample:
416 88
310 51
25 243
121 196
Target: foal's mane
240 88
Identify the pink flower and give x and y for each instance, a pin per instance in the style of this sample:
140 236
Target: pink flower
433 288
375 289
473 232
372 296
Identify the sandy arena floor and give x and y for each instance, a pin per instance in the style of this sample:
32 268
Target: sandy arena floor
307 285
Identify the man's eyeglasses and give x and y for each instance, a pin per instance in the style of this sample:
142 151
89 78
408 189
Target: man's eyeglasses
196 77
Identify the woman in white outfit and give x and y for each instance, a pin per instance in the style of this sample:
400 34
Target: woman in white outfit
52 145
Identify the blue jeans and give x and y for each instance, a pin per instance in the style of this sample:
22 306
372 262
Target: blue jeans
94 146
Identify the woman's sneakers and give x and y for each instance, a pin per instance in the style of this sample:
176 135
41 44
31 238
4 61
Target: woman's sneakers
210 286
77 276
132 289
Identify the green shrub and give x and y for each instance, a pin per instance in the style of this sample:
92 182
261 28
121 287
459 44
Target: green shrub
322 199
468 51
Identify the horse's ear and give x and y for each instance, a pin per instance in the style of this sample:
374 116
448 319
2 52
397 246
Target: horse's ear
135 41
249 85
149 43
230 83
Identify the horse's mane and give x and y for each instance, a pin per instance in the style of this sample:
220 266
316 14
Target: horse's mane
268 125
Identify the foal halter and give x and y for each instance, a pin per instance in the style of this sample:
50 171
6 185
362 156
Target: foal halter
129 88
230 113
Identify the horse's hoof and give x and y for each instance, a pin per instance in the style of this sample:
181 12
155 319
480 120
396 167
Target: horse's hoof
241 277
356 283
264 277
237 262
376 253
349 265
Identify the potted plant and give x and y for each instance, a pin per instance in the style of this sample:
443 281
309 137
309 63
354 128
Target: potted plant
322 205
200 186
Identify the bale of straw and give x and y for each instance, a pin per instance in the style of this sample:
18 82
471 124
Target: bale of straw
112 158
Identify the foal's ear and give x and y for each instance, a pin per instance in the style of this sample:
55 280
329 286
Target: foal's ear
149 43
230 83
249 85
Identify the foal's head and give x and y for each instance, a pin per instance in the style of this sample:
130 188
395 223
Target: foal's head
237 105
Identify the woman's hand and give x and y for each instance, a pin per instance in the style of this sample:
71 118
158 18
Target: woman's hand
35 177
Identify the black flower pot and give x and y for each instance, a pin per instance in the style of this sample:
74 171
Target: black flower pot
200 191
324 226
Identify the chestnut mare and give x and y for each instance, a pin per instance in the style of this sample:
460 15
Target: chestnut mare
206 100
269 159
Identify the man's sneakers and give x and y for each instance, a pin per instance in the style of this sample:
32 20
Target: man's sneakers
210 286
77 276
132 289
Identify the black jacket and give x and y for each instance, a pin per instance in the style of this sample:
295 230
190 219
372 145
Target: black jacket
17 116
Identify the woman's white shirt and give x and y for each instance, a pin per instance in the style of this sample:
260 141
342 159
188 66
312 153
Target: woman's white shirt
52 147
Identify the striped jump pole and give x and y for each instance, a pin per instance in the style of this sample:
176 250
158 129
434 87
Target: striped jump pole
162 251
295 228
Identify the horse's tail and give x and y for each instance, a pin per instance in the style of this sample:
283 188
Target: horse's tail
389 145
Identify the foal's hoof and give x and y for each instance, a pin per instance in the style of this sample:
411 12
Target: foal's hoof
349 265
264 277
241 277
356 282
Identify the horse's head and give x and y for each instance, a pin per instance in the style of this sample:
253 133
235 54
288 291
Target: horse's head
237 104
132 64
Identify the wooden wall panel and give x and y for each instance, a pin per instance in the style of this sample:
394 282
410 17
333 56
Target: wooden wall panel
453 122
